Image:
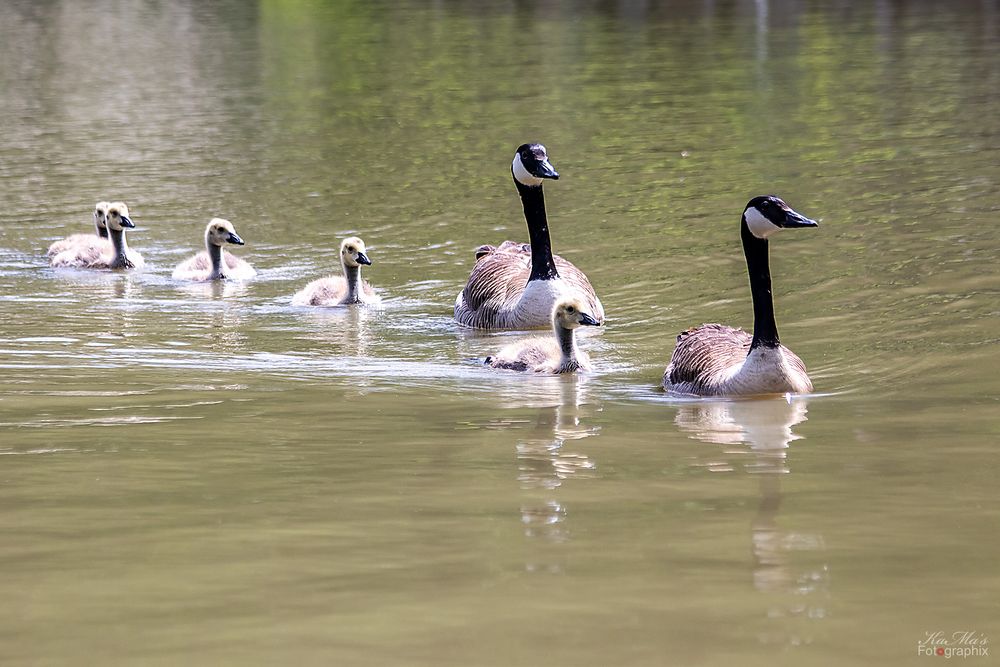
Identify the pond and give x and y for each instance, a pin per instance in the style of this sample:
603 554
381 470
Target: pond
206 474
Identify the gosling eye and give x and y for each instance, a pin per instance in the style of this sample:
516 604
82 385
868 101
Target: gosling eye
570 309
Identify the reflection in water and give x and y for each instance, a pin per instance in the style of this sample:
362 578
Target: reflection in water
215 289
257 111
110 293
544 464
343 330
125 290
795 590
764 425
798 592
761 33
227 314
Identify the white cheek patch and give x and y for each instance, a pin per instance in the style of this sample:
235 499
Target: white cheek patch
522 175
759 226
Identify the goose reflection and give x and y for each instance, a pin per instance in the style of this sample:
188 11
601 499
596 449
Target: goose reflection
764 425
345 330
215 289
218 312
116 294
545 461
788 566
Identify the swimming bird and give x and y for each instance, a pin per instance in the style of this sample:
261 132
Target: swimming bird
214 263
718 360
100 238
337 290
557 354
514 285
116 255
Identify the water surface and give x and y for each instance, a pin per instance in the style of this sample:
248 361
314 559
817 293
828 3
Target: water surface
204 474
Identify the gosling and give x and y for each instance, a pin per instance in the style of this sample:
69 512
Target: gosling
214 263
337 290
551 355
115 255
100 238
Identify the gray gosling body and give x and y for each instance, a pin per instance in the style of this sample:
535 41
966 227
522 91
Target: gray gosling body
114 255
214 263
98 239
552 355
514 285
719 360
342 290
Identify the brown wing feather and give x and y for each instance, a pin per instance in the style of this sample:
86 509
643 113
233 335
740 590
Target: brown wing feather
704 351
498 279
578 280
501 274
704 354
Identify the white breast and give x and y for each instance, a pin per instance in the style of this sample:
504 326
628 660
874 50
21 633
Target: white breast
764 371
540 296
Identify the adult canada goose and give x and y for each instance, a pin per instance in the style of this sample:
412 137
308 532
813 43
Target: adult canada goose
116 255
514 285
557 354
214 263
337 290
717 360
100 238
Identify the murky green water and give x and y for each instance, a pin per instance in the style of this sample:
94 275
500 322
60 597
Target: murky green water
206 475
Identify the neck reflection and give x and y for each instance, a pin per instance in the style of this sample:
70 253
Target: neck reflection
788 566
546 460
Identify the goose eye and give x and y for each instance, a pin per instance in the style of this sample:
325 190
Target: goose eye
570 309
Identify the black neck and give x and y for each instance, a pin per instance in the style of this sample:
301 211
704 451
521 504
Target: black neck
353 276
543 267
567 344
215 254
101 231
765 330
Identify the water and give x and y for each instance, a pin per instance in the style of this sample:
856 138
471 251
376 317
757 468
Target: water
204 474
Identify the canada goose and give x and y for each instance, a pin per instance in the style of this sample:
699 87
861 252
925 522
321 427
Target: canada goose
214 263
515 285
116 255
551 355
100 238
337 290
717 360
